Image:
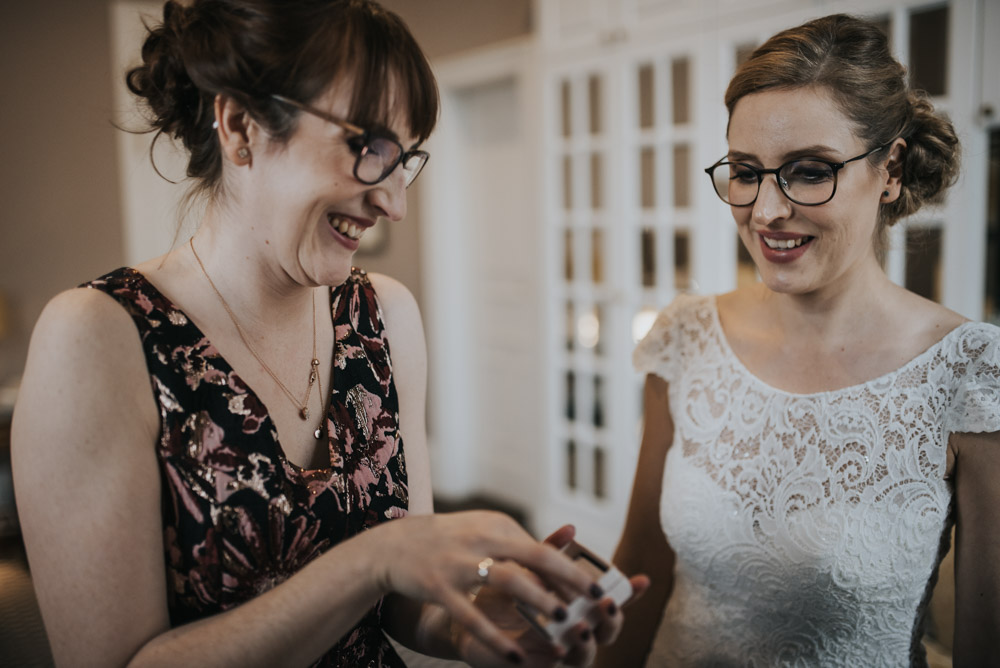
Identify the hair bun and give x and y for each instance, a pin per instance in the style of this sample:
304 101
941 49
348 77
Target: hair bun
175 104
932 158
162 80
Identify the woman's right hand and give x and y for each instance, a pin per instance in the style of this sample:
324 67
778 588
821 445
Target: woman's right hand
436 558
583 638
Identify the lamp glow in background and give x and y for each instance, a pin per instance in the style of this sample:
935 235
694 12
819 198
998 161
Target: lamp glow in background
588 329
642 322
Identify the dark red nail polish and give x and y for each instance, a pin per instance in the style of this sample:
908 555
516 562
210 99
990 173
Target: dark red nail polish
596 591
585 635
612 610
515 658
559 614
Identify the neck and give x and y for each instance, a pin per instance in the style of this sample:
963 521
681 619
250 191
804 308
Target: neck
843 311
256 287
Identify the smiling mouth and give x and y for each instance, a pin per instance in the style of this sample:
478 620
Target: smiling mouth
785 244
346 227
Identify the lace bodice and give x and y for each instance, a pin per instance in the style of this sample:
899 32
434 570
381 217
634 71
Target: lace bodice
808 528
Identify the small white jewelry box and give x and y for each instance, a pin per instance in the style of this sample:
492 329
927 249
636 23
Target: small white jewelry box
615 584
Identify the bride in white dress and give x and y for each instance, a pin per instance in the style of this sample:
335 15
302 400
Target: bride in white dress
810 441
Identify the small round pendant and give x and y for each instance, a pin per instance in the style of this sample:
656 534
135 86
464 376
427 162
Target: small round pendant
304 413
317 433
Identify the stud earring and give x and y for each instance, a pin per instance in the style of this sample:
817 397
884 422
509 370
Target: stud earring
885 193
244 153
215 125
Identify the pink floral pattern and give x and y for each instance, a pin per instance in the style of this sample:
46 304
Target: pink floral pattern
238 517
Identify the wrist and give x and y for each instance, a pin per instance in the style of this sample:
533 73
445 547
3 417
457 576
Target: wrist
379 550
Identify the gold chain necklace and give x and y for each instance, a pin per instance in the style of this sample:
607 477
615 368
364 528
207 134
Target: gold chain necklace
314 378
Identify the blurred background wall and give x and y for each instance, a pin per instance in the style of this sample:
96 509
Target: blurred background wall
60 222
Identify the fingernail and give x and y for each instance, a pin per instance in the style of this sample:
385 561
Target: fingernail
585 635
559 614
515 658
612 610
596 591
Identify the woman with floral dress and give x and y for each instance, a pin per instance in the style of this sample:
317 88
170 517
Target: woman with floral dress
219 454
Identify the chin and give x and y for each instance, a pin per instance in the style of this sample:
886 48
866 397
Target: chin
786 285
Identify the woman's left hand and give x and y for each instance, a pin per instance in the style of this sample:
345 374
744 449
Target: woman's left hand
538 650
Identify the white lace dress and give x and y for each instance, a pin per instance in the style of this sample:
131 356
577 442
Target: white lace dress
808 528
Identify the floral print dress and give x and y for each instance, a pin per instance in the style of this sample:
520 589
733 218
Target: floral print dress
238 517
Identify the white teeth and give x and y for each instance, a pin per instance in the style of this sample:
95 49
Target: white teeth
347 228
784 244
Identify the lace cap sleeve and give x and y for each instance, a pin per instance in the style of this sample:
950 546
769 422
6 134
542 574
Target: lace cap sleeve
976 407
660 351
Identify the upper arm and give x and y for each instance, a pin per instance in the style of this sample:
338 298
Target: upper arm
86 480
977 547
643 547
405 333
642 524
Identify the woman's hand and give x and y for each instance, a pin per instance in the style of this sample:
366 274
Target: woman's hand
436 558
537 650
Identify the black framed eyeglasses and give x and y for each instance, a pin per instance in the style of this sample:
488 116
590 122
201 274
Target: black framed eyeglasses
808 182
377 155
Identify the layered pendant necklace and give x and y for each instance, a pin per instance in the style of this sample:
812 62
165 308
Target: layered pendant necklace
314 379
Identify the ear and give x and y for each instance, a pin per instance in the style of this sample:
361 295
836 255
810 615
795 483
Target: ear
235 129
894 171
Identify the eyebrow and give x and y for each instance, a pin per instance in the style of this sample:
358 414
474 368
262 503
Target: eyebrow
814 151
383 131
377 129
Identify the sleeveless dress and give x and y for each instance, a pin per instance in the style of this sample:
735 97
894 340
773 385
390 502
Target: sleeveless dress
808 528
238 517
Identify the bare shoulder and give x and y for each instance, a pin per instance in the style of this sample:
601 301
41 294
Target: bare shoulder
85 330
404 327
399 308
395 298
86 357
83 314
926 319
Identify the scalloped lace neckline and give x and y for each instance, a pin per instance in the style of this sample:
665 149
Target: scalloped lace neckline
727 350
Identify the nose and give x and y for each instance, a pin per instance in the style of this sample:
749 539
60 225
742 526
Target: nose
771 203
389 195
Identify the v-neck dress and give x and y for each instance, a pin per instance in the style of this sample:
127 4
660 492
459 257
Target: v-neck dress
238 516
808 528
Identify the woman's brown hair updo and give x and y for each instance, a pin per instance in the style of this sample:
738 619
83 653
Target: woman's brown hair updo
850 58
252 49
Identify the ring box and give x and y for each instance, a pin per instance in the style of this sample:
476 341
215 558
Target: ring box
614 583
